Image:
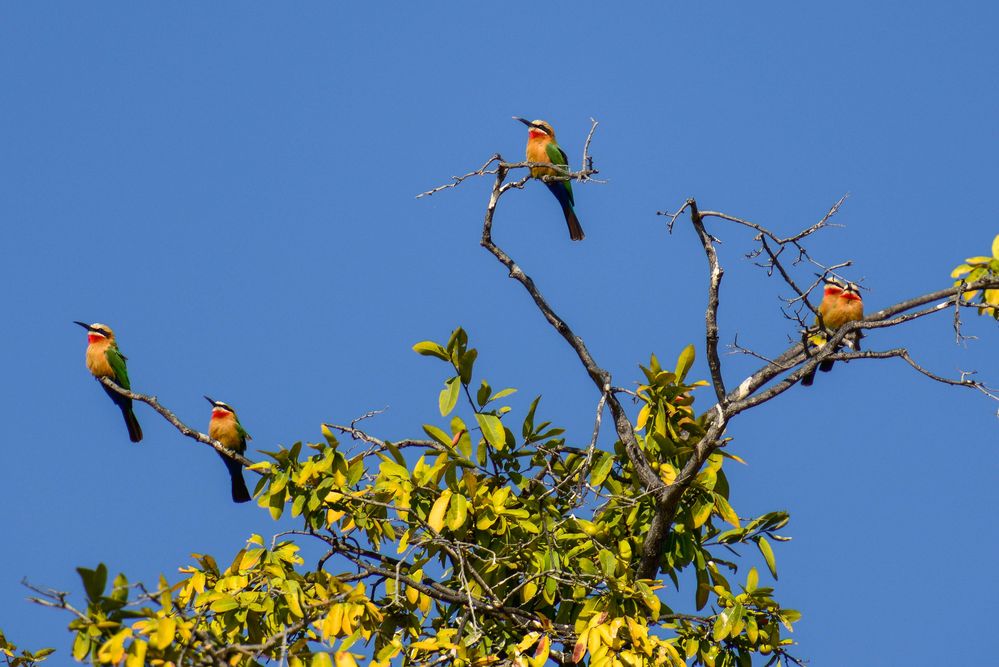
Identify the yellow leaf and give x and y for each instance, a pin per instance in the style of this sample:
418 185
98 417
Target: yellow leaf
700 512
331 624
667 473
726 512
320 660
437 512
684 363
344 659
978 260
137 654
250 558
424 645
960 269
541 652
528 592
643 416
579 650
165 629
674 655
995 247
346 621
528 640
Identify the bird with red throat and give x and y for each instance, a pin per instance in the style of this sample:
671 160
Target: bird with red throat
542 147
105 360
841 303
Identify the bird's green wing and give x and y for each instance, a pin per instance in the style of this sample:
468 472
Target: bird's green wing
555 153
557 156
117 362
242 433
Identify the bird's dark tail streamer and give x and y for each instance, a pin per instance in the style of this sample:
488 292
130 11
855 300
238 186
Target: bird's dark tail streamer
240 494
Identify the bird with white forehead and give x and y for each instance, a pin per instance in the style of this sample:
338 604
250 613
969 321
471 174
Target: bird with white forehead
105 360
542 147
225 427
841 304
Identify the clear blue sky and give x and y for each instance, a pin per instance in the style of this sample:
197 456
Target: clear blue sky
231 187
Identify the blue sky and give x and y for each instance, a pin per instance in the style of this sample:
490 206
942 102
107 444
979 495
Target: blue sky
231 187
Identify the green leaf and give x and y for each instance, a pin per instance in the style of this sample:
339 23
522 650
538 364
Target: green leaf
703 590
119 588
601 468
528 427
768 554
437 434
449 396
608 563
684 362
94 581
700 512
492 429
275 504
457 512
725 511
482 396
429 348
328 436
457 341
720 630
298 504
81 646
465 365
224 604
321 660
502 394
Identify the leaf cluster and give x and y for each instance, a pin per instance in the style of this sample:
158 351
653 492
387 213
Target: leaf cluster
489 541
977 268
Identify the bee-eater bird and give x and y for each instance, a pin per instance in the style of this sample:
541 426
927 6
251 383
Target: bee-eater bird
542 147
840 304
225 427
105 360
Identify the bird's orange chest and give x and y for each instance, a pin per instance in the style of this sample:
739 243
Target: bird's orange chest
224 430
841 311
97 359
537 151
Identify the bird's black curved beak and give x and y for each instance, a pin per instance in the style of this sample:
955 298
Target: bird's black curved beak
82 324
214 403
524 121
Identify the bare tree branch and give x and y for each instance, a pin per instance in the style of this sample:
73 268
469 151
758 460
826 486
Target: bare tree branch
716 272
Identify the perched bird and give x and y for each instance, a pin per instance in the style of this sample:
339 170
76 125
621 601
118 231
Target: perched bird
840 304
541 147
225 427
105 360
